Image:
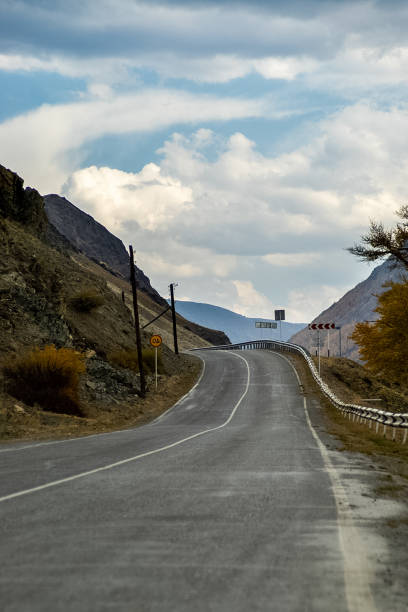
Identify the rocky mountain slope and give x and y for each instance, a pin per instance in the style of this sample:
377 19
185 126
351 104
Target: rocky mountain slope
98 244
237 327
358 304
41 275
94 240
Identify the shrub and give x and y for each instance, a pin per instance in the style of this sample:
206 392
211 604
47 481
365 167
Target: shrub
125 359
129 359
49 377
86 301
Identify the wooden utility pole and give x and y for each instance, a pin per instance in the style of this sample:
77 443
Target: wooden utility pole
137 324
173 312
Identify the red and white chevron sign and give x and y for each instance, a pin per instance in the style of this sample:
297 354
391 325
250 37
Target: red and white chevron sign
322 326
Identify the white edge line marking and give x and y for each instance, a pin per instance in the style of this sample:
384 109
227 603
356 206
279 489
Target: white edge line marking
356 566
108 433
130 459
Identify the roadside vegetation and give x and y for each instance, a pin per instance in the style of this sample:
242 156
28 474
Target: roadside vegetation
38 399
356 384
86 301
129 360
383 344
48 377
382 380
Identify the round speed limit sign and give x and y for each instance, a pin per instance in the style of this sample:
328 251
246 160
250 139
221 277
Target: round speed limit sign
156 340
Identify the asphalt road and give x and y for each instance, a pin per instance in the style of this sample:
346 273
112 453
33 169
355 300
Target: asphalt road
228 502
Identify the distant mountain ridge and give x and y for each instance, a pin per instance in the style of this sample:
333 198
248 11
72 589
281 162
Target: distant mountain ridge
358 304
237 327
94 240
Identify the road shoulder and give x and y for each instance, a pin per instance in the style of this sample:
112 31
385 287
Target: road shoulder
374 474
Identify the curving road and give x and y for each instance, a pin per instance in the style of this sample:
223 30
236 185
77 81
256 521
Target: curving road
228 502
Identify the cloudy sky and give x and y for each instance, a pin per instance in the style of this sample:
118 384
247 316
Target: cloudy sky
239 146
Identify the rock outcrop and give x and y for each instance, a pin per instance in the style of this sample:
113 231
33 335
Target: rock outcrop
23 205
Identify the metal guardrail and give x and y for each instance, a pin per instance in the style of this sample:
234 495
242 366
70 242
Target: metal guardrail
364 413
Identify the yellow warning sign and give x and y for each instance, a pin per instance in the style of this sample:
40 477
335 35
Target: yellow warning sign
156 340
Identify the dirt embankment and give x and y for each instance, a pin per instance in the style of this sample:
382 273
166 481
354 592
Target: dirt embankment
353 383
37 284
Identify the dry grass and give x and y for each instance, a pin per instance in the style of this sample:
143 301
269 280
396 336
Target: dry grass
148 359
353 383
86 301
129 359
32 423
48 377
355 436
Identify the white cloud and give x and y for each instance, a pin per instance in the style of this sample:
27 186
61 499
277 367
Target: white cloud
232 223
251 301
291 260
305 304
149 197
353 45
196 262
284 68
360 68
54 135
169 269
252 221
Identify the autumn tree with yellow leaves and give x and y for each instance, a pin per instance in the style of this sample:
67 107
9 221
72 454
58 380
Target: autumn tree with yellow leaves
384 344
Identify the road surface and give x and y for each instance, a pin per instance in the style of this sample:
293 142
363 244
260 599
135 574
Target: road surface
228 502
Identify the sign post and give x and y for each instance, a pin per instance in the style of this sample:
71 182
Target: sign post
339 329
318 327
280 316
155 341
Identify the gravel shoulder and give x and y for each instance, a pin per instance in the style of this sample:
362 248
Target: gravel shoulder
374 473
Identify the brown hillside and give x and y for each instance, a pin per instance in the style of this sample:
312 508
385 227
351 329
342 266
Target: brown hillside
38 282
89 237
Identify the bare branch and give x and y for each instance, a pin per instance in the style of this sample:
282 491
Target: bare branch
382 243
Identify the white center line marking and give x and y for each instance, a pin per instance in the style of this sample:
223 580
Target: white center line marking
130 459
